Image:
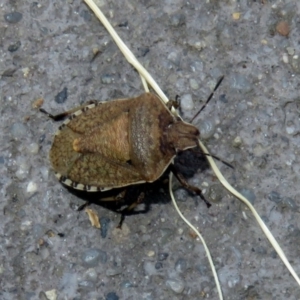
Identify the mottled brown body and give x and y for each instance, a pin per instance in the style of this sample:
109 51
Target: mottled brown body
119 143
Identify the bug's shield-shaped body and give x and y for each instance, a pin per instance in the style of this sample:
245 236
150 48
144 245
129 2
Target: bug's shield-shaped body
118 143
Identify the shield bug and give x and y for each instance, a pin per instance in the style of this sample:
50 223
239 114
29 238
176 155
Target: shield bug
107 145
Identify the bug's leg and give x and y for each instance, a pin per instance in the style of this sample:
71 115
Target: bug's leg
129 208
187 186
83 206
118 197
63 115
173 103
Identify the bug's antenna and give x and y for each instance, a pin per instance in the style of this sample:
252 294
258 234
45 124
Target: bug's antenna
208 99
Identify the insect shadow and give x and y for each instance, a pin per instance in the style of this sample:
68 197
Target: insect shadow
188 163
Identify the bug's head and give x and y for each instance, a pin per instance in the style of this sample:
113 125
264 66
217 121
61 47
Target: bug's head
183 135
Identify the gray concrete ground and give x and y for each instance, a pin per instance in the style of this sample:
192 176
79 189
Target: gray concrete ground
46 52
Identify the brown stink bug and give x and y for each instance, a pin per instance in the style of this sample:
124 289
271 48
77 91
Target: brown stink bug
107 145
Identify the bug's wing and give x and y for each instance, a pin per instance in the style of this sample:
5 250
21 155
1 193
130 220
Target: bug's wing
89 150
95 170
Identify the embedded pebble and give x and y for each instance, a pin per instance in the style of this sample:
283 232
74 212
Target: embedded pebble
186 102
104 222
91 274
207 128
181 195
23 169
14 47
44 172
283 28
62 96
237 142
86 285
51 295
18 130
274 197
181 265
240 82
33 148
174 57
31 187
149 268
113 271
194 84
25 225
236 16
248 194
285 58
290 128
92 257
86 15
290 203
175 285
290 50
162 256
127 284
112 296
215 193
13 17
151 253
106 79
158 265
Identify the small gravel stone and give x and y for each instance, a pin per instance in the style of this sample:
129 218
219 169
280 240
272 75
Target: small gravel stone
290 51
113 271
14 47
194 84
44 172
162 256
186 102
86 15
13 17
51 295
127 284
285 58
181 265
215 193
158 265
112 296
274 197
18 130
23 169
175 285
92 257
33 148
207 129
104 222
174 57
237 142
31 187
91 274
240 82
86 285
149 268
106 79
62 96
248 194
283 28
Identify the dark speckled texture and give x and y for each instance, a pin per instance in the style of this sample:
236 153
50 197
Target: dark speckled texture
186 45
